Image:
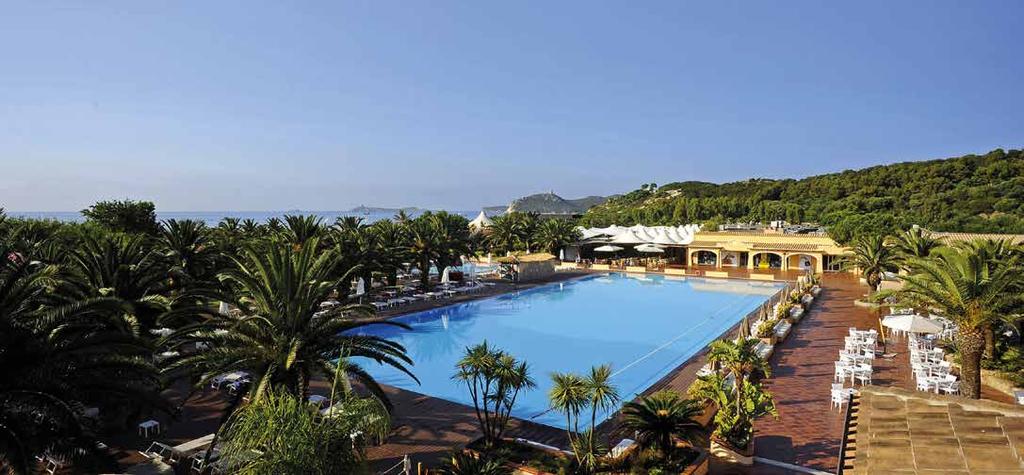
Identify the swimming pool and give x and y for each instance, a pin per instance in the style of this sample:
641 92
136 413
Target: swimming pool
643 326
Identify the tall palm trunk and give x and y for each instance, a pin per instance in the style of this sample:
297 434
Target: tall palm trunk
990 342
425 273
971 342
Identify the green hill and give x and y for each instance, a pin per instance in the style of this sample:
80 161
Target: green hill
973 193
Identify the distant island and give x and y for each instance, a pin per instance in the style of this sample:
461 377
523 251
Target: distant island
549 204
541 203
362 209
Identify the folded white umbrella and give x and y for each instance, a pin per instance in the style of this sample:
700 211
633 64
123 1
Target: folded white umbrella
445 278
360 287
607 249
912 324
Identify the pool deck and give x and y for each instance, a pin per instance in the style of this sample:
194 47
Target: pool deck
807 432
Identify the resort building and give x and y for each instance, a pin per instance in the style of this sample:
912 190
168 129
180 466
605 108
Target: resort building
689 245
765 250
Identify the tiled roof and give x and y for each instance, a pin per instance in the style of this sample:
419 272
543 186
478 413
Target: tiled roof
764 241
537 257
950 238
788 247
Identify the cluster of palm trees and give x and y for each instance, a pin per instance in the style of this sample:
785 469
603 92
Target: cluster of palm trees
79 305
661 421
976 285
518 231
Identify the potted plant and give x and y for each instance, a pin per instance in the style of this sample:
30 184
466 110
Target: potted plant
782 310
766 331
739 400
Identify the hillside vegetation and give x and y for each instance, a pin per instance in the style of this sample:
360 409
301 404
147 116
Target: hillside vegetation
973 193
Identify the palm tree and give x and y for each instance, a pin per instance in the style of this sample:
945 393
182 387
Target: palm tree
662 417
872 257
284 434
913 244
554 234
187 246
424 245
969 287
506 234
437 238
995 251
124 267
300 229
282 338
57 359
392 243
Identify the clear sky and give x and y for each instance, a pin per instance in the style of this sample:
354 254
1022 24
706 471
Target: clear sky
249 105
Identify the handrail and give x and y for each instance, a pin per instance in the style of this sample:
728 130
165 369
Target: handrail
846 434
406 465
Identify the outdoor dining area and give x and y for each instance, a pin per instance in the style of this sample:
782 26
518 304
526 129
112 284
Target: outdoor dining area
932 373
855 364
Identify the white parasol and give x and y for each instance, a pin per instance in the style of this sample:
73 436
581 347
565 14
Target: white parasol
912 324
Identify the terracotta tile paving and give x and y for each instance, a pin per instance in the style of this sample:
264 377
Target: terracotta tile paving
808 430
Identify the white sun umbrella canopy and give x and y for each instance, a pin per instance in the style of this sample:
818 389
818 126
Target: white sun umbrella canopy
445 278
223 309
628 237
561 254
360 287
607 248
650 248
912 324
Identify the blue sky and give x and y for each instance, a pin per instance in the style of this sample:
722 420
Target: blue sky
326 105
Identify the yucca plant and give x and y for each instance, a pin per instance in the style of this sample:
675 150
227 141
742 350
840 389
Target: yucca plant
572 395
494 380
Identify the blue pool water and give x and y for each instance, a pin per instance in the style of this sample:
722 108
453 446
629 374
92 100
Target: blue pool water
644 326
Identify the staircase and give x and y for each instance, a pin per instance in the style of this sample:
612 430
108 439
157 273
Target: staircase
848 446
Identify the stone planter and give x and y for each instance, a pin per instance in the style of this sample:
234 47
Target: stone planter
795 314
771 340
727 452
782 330
700 465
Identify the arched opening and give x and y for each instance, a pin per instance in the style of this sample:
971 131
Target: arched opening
804 262
767 260
704 258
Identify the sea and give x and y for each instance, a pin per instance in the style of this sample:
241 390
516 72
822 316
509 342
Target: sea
211 218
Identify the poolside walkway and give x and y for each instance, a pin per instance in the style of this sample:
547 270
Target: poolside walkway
808 431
